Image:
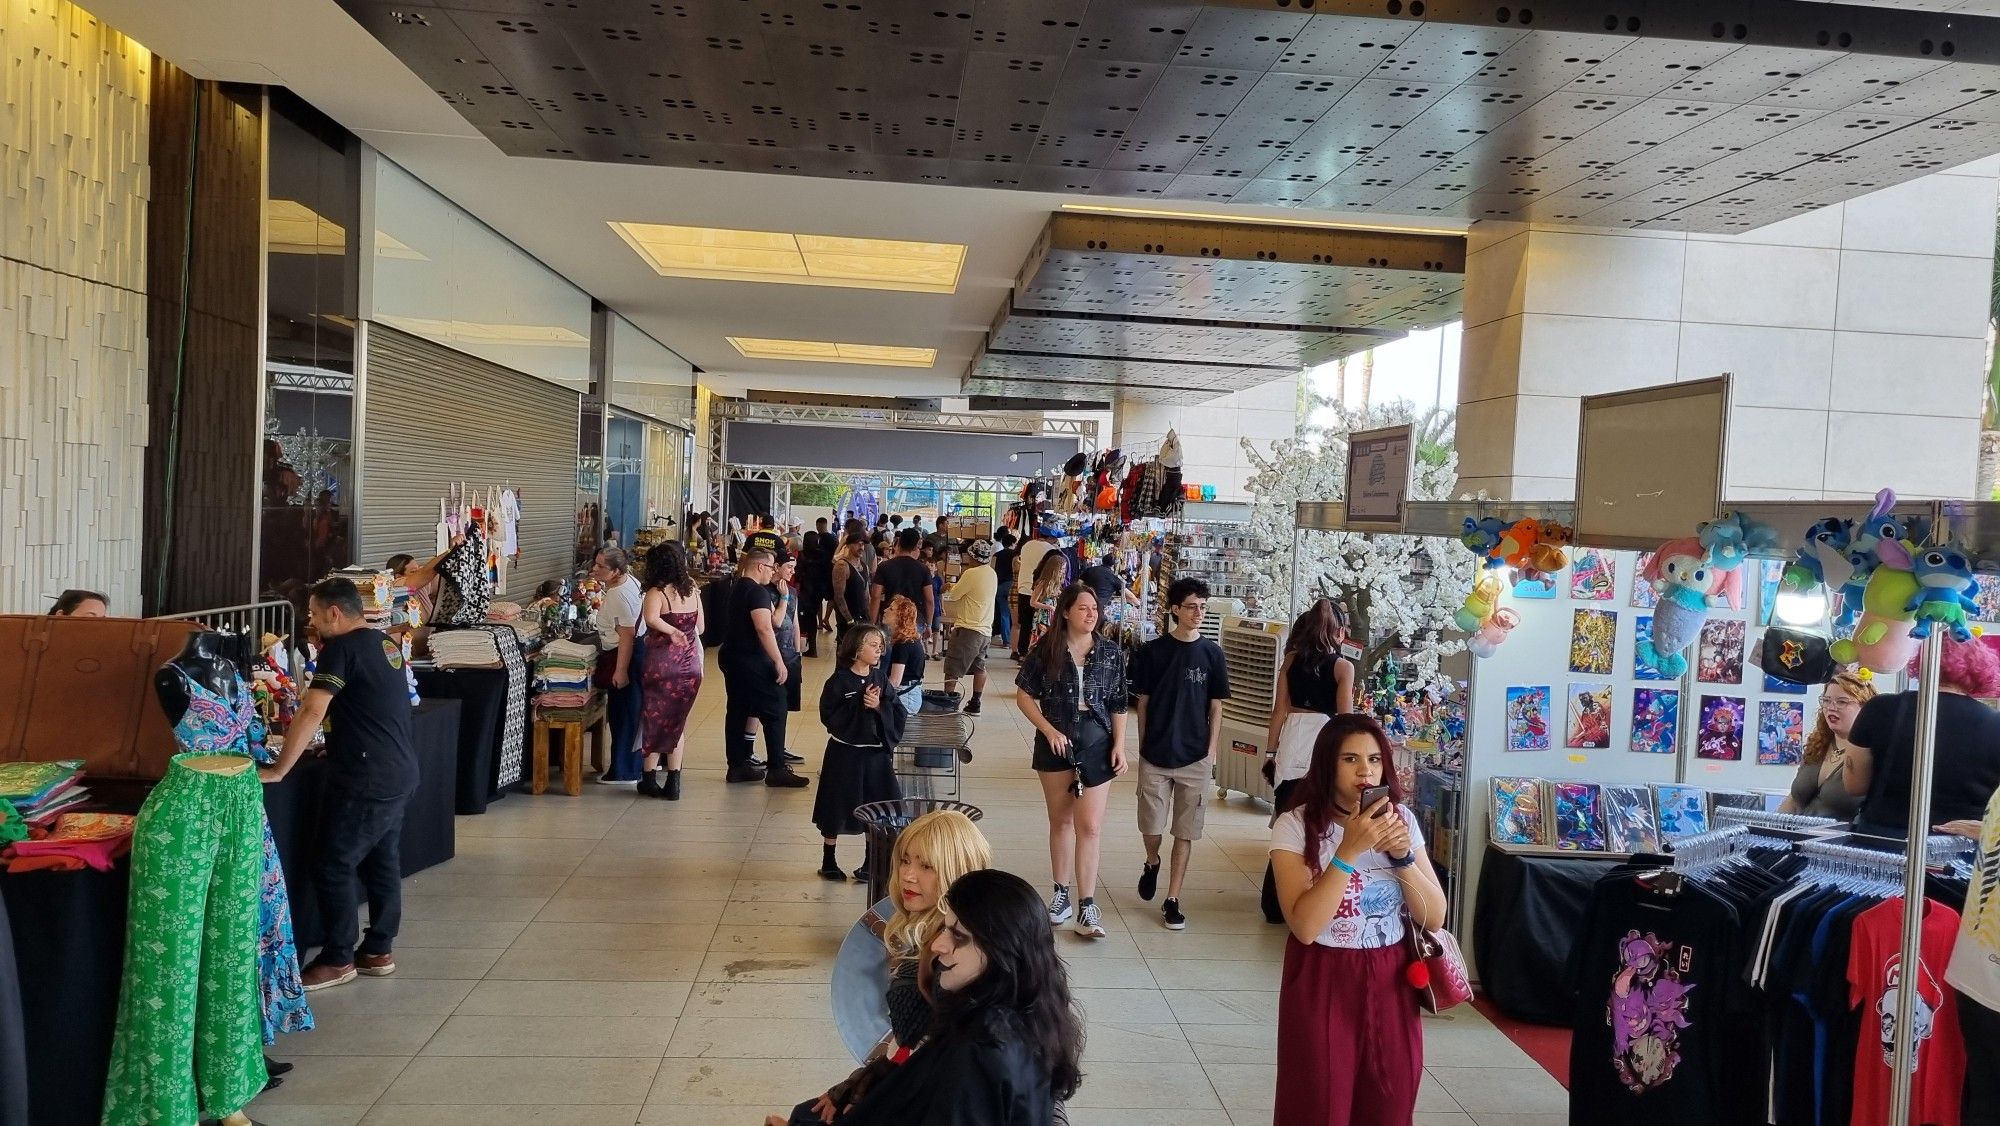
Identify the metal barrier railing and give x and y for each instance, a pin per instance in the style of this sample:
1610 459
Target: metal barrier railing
252 620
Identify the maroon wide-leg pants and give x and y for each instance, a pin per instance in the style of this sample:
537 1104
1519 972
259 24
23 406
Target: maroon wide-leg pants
1350 1049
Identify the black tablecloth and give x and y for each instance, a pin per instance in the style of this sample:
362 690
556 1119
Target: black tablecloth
13 1034
69 951
1530 911
429 836
483 696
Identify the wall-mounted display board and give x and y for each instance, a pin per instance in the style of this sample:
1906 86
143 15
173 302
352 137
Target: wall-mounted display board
1650 459
1378 478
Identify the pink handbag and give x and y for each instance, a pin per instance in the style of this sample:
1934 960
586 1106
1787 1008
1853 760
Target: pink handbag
1437 968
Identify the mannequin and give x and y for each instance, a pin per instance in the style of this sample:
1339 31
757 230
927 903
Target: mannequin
202 661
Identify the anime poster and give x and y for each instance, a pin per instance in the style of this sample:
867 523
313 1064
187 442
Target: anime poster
1721 734
1575 807
1517 812
1656 720
1643 594
1772 570
1642 630
1592 576
1593 639
1781 732
1528 718
1537 585
1987 594
1589 716
1782 687
1720 659
1683 809
1629 824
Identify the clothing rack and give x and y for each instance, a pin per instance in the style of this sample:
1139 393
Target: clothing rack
1703 849
1759 819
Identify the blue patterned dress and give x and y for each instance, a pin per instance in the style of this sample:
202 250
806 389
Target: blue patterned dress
231 725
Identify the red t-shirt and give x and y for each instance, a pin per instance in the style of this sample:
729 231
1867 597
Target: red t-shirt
1874 975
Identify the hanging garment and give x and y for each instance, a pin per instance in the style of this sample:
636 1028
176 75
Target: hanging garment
190 954
514 715
510 521
466 589
231 725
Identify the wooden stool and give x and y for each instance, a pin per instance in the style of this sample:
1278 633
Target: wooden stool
571 722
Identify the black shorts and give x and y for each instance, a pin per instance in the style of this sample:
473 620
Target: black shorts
1090 752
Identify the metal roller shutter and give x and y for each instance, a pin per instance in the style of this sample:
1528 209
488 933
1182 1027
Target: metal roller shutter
435 417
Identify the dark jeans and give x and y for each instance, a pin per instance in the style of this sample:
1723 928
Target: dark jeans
359 837
1022 618
812 602
753 694
623 710
1273 913
1003 613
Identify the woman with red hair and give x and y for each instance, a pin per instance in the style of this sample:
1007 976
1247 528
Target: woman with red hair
1350 1051
1967 768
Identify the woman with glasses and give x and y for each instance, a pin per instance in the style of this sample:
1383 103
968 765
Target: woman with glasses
1819 789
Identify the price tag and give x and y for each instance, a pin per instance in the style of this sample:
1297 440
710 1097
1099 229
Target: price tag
1579 759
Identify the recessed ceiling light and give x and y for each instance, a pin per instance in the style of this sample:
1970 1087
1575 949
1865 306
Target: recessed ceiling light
828 352
720 254
1214 217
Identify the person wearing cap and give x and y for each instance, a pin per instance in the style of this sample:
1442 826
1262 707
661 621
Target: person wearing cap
970 605
762 535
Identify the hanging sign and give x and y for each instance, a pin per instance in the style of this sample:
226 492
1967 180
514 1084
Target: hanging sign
1378 479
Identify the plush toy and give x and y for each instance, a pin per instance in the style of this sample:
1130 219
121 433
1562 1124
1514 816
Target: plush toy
1945 577
1807 569
1495 630
1548 555
1882 640
1483 537
1518 542
1732 538
1685 577
1877 540
1480 603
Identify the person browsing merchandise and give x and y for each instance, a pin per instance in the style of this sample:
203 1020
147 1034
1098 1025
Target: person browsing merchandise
1180 680
1967 771
359 690
761 536
971 601
903 574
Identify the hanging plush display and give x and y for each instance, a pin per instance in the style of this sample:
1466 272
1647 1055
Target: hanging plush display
1683 574
1944 575
1483 538
1168 499
1491 633
1881 553
1480 602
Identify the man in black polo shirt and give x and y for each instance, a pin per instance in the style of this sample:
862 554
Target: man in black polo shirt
905 575
359 689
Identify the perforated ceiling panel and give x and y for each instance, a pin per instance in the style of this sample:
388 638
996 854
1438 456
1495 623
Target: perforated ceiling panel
1708 115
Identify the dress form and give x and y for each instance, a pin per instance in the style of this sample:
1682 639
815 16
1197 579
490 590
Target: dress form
202 661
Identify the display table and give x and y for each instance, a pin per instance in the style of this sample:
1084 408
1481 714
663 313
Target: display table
1531 906
482 695
429 836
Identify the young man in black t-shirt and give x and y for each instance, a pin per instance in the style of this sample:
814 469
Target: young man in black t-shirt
905 575
1180 680
359 689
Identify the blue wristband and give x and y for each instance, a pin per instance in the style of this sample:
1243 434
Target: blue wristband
1344 866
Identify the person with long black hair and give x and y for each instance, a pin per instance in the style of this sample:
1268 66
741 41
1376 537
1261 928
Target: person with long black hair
1350 1050
670 669
1315 683
1006 1043
1072 688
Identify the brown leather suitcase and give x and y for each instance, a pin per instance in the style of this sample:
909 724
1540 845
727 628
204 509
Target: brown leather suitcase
83 688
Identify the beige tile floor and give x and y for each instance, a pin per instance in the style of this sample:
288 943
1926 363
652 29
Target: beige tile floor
609 960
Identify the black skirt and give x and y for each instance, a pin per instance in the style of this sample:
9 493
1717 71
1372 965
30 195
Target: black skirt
848 777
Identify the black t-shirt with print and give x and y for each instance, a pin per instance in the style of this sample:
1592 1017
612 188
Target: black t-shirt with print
905 575
1178 679
910 655
1967 769
764 539
741 643
368 722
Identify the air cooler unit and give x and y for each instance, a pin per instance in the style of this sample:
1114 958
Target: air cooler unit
1253 649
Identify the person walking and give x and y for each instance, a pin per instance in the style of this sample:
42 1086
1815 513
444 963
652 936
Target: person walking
1314 683
864 721
360 692
1350 1049
1051 576
753 677
1072 689
618 629
970 602
1180 680
1027 562
905 574
815 582
785 624
1003 587
670 669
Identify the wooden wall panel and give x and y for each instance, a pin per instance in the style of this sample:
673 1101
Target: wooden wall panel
209 515
74 184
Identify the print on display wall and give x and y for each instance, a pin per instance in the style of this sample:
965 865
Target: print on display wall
1656 720
1589 716
1781 732
1721 652
1772 570
1643 594
1642 631
1592 577
1593 640
1720 736
1528 718
1536 585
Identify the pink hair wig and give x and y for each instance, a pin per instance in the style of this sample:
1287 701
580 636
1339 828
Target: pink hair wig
1972 667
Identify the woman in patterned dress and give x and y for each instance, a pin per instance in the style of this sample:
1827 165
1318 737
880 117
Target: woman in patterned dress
670 672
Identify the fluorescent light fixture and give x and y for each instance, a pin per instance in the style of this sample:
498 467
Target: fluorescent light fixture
828 352
720 254
1801 607
1260 220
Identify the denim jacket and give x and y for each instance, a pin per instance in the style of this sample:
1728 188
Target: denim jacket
1055 690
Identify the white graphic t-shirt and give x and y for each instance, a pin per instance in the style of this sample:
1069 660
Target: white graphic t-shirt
1371 913
1975 958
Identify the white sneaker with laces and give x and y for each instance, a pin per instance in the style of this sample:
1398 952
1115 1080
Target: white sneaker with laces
1059 907
1089 921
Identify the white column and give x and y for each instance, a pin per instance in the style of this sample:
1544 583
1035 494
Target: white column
1210 432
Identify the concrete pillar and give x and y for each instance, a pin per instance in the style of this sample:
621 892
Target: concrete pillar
1209 432
1856 334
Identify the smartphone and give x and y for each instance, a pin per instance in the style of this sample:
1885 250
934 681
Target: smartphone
1373 794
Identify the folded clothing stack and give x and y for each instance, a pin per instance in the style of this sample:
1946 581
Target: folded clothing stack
464 649
39 791
563 672
74 841
503 611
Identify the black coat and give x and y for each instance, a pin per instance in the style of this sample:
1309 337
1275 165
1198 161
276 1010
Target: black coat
851 722
987 1078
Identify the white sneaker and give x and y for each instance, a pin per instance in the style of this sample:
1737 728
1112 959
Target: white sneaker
1089 921
1059 907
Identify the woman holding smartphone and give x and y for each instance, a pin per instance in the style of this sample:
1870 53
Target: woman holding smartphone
1350 861
1072 688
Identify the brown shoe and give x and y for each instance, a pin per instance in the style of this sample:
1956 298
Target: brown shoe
375 965
318 976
